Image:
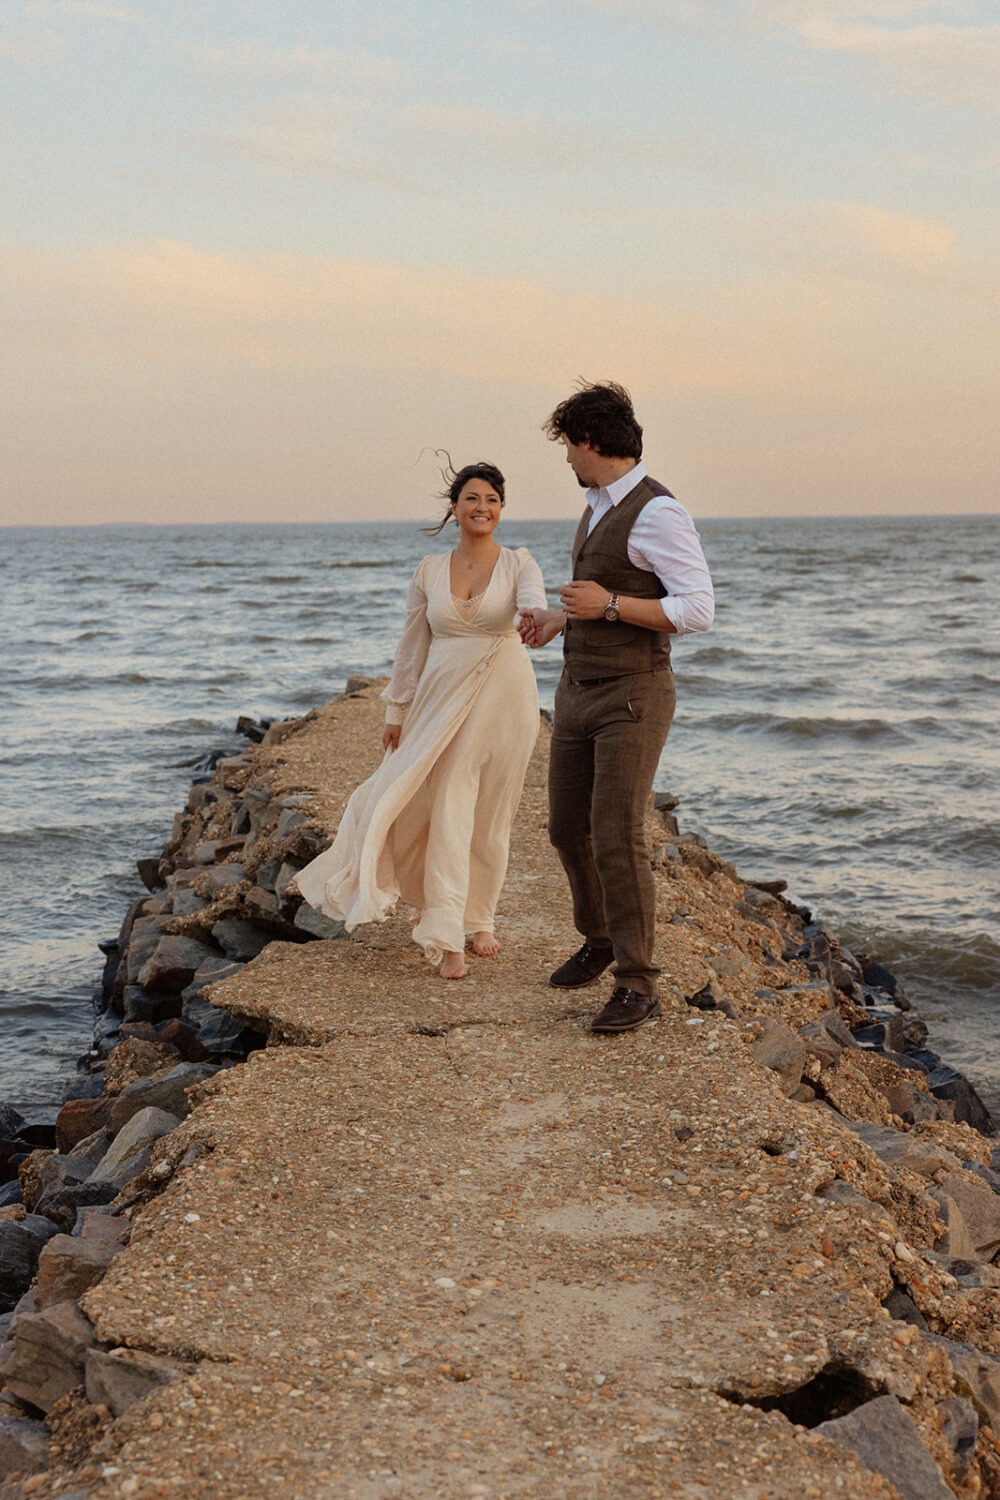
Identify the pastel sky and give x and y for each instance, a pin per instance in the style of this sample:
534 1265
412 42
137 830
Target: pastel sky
256 257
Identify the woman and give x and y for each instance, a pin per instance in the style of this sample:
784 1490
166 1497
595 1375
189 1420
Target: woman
432 825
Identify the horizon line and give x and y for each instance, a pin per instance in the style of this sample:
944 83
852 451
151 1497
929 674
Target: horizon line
700 519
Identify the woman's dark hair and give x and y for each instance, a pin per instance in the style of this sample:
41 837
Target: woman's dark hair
456 480
600 415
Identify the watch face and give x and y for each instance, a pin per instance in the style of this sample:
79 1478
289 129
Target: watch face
611 613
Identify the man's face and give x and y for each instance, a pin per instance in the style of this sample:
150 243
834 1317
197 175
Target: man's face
582 459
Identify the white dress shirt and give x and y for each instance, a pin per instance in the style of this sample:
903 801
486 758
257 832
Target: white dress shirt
663 541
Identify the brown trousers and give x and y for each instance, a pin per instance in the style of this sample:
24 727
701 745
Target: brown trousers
607 738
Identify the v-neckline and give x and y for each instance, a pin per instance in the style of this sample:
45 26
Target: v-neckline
455 599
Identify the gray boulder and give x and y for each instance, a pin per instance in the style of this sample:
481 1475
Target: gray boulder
782 1050
47 1359
186 903
21 1243
69 1265
140 1004
240 941
118 1378
173 963
841 1192
131 1150
953 1232
102 1224
145 936
223 1034
977 1376
165 1093
210 973
24 1446
267 875
58 1177
289 819
887 1440
308 919
900 1148
988 1174
948 1085
92 1147
10 1122
980 1208
960 1426
221 877
286 874
820 1044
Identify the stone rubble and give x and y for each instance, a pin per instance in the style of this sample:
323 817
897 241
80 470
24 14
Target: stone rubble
318 1223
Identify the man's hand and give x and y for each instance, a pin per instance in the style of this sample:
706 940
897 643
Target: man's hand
390 736
539 626
584 599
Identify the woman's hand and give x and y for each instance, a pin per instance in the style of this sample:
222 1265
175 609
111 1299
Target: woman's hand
390 736
539 626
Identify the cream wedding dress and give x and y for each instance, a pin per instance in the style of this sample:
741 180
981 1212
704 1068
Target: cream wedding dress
432 825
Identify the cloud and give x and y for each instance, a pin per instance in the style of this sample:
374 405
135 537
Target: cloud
334 138
921 48
420 148
198 383
802 12
954 64
163 303
103 12
29 48
909 243
302 64
38 34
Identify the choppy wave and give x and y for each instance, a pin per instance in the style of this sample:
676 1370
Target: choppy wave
184 726
48 836
944 964
807 726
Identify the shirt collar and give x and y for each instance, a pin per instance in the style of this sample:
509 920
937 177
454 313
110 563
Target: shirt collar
617 491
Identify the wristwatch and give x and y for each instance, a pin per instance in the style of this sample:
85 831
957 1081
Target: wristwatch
611 608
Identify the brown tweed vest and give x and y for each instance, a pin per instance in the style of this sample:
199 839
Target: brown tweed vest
600 648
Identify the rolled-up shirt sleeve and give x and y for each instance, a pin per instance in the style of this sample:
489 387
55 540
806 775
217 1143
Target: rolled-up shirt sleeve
664 541
411 653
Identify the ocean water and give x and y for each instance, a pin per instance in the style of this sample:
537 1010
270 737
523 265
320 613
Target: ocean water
837 728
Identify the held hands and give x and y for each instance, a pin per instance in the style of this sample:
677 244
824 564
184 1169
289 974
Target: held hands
539 626
390 736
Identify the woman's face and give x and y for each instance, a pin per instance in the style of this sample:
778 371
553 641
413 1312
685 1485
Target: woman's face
477 509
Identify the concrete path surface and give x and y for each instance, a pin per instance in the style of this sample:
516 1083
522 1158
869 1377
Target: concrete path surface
439 1240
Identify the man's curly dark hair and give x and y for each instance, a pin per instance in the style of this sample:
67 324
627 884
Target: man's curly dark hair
600 415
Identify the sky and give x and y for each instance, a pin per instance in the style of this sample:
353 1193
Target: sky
258 259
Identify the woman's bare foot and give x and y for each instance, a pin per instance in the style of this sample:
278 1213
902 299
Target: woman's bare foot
453 966
485 944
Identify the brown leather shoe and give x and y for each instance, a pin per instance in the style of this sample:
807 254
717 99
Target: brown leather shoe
625 1011
583 968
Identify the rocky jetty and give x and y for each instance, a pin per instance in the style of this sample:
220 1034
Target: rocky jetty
315 1222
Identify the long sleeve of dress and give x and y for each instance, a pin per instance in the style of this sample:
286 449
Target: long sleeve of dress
530 584
411 653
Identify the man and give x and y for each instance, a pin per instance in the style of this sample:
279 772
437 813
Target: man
639 578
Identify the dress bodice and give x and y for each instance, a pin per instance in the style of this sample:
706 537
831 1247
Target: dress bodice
434 615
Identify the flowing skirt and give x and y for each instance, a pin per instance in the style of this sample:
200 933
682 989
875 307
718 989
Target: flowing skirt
432 825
